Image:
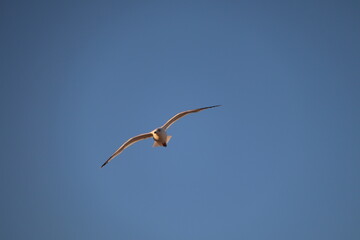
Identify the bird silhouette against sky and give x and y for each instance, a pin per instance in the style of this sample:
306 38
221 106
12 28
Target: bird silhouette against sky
159 134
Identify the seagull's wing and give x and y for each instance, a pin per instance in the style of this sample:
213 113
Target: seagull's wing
182 114
128 143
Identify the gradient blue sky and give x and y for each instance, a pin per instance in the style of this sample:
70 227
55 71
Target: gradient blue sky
279 160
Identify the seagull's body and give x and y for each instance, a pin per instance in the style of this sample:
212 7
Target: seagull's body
159 134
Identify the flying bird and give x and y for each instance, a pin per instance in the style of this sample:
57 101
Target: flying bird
159 134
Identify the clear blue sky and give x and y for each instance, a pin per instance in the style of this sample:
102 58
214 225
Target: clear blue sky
279 160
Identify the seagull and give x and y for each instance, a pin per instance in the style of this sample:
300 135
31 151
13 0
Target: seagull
159 134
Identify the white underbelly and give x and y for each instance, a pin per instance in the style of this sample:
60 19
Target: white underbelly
160 137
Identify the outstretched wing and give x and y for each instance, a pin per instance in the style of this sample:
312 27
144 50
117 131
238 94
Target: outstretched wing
128 143
183 114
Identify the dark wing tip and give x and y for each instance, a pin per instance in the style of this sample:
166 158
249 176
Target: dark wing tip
211 107
105 163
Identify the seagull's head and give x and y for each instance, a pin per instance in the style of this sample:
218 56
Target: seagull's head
158 131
